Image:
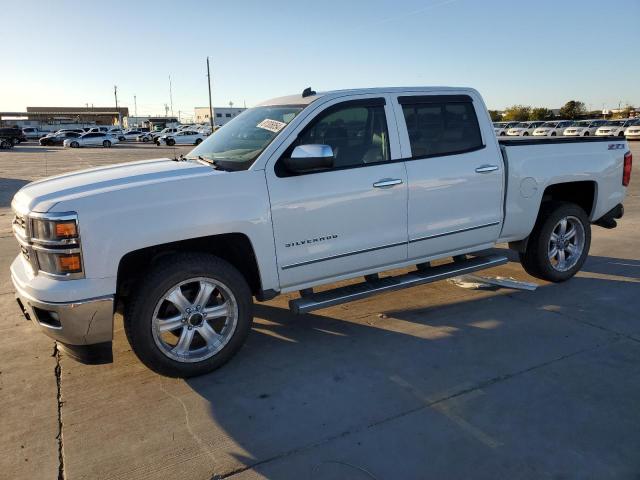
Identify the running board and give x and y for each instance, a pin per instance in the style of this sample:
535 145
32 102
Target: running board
315 301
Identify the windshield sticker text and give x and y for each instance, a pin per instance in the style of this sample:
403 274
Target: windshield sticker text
272 125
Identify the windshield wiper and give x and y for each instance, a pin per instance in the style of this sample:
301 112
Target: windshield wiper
214 163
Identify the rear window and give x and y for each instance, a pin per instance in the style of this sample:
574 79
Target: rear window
441 125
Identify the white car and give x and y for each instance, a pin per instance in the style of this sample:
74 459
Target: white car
184 137
615 128
151 136
633 131
552 129
500 128
523 129
583 128
285 216
130 135
91 139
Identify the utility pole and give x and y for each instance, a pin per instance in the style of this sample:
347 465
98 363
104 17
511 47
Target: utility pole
135 106
170 96
115 93
210 104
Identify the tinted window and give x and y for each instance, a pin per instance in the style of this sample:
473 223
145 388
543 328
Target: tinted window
356 133
441 128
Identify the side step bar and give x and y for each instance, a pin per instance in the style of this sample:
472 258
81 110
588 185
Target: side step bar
315 301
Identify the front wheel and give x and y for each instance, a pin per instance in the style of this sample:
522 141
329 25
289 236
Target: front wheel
75 144
559 243
106 144
553 134
189 315
586 134
198 141
170 141
525 134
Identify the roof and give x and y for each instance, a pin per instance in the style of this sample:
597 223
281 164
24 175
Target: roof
300 100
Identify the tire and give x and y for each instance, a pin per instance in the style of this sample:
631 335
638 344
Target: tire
147 308
525 134
502 134
537 259
122 139
553 134
106 144
75 144
198 141
621 134
586 134
145 139
170 141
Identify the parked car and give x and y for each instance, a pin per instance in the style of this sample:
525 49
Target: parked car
614 127
553 128
91 139
58 138
14 135
184 137
34 133
523 129
151 136
102 129
583 128
130 135
500 128
633 131
315 189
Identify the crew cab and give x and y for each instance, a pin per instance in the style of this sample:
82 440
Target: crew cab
299 192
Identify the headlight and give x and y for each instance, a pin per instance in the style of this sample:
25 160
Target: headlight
54 230
55 244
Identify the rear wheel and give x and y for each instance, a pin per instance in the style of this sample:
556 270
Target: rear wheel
525 134
621 134
586 134
189 315
145 139
553 134
75 144
198 141
559 243
170 141
106 144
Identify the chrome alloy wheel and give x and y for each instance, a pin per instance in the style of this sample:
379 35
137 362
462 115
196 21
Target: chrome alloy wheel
566 243
194 319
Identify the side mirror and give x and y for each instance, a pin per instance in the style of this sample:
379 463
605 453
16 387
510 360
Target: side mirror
306 158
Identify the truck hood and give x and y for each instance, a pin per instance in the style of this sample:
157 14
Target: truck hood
42 195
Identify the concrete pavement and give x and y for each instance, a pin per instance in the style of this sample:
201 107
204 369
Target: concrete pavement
435 381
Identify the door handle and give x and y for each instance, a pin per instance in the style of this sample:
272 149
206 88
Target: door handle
387 182
486 168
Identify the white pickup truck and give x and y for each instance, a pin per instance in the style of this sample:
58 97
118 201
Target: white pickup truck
301 191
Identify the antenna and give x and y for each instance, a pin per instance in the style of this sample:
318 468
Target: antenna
307 92
210 104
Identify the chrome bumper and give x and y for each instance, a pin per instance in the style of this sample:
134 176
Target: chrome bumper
83 322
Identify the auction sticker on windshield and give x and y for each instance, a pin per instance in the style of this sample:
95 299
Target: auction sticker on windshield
272 125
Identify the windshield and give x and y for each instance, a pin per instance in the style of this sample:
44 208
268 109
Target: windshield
548 125
521 125
584 123
237 145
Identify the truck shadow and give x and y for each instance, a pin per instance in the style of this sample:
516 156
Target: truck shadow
301 380
8 188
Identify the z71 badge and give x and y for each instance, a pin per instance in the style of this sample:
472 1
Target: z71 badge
616 146
310 240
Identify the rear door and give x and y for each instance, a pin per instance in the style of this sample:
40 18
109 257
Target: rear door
344 220
455 174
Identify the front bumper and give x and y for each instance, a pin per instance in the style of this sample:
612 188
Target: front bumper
81 322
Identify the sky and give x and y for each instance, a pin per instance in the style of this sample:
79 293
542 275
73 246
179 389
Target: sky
534 52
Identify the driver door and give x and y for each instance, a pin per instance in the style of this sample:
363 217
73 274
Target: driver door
344 220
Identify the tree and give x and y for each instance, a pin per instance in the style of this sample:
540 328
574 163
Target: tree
573 109
540 113
518 113
496 116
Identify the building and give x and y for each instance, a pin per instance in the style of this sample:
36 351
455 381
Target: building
221 115
44 117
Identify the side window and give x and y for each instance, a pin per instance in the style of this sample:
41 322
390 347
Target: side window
441 125
356 133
